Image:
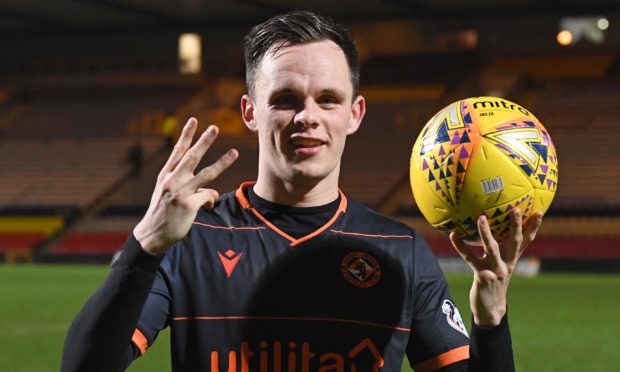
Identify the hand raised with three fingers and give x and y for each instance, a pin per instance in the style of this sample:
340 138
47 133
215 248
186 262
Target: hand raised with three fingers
179 193
493 270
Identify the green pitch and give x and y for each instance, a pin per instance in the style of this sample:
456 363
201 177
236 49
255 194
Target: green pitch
559 322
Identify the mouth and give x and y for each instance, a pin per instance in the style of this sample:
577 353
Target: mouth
306 142
306 146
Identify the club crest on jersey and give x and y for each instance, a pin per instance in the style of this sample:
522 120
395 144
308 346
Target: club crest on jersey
360 269
453 317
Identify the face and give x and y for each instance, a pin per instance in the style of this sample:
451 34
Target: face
303 110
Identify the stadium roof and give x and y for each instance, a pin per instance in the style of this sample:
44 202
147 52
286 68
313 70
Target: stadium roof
23 17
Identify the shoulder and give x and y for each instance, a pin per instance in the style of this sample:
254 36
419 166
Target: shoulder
363 221
362 216
227 212
212 227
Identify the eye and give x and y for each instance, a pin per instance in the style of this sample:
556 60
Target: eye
327 100
284 101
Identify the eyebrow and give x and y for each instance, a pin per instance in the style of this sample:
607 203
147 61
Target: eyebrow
327 91
334 92
281 91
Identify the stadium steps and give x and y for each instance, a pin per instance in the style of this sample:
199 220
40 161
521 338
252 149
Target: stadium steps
64 240
556 66
394 171
581 117
62 172
89 243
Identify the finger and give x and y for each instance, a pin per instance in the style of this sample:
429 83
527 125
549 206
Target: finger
204 198
512 247
182 145
531 229
192 157
208 174
465 251
491 248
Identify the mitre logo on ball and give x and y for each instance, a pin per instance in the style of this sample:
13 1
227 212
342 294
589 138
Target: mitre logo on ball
483 155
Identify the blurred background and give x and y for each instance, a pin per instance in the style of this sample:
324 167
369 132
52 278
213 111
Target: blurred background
92 94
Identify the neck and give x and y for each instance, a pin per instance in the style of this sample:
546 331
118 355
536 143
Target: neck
297 194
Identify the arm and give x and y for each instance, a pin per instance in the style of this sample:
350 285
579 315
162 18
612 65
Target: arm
491 345
438 336
493 270
433 345
490 350
99 337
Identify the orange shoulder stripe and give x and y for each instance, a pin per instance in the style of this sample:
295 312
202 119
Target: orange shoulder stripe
372 235
229 227
443 360
140 341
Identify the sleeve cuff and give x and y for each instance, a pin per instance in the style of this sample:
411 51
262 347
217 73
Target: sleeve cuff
493 333
491 348
133 255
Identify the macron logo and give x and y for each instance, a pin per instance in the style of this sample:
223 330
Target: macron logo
229 260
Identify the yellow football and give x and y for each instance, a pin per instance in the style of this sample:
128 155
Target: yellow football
483 155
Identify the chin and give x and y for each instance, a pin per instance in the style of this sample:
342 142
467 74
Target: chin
306 178
309 176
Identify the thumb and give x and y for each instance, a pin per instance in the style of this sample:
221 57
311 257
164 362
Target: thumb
204 198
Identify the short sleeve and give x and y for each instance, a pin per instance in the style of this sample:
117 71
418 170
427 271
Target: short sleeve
438 335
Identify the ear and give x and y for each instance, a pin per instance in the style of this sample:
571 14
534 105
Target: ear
358 110
247 112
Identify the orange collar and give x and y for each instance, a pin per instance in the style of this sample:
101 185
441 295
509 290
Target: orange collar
245 204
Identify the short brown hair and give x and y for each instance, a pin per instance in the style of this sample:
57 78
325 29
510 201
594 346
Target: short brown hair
297 27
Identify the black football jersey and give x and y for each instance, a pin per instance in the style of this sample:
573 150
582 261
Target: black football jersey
357 294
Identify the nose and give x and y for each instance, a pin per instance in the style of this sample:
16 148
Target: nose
308 115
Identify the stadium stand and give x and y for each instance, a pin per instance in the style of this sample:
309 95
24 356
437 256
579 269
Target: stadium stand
18 234
557 66
63 172
58 113
64 149
378 153
581 117
578 103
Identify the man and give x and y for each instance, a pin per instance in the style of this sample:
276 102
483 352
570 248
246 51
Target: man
288 273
